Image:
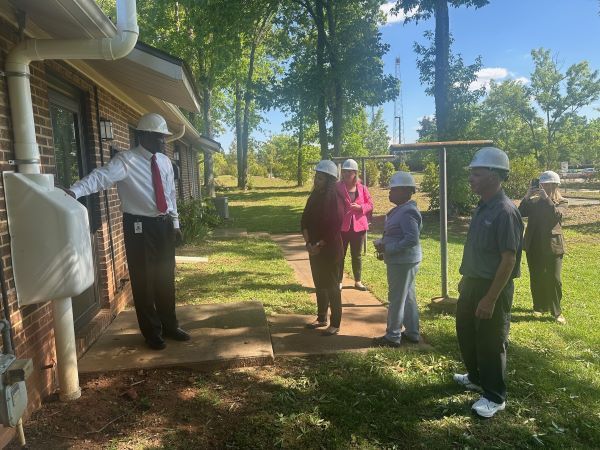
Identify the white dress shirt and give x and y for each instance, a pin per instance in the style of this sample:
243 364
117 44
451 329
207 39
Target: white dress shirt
130 171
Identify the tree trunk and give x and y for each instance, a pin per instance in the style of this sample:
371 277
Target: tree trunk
441 83
248 97
337 111
321 102
238 132
209 176
300 175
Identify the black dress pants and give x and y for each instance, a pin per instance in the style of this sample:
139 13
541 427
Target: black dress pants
483 342
545 282
355 239
325 270
151 262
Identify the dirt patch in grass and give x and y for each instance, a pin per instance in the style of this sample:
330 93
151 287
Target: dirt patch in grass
147 409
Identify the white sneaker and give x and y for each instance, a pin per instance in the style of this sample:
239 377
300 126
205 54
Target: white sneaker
487 408
330 331
341 286
361 287
463 380
316 324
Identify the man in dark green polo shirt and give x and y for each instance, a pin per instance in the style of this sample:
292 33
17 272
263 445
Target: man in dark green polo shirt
491 259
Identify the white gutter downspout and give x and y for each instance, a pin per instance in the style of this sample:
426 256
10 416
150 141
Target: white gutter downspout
176 136
27 153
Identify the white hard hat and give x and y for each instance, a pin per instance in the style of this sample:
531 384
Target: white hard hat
350 164
490 158
154 123
327 166
549 177
399 179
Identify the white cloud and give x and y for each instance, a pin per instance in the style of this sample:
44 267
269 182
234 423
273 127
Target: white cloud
522 80
487 74
386 9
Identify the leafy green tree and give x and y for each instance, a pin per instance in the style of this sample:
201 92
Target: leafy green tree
377 140
510 120
417 10
560 95
348 62
460 124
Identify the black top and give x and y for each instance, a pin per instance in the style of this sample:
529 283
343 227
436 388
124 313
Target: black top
496 227
322 218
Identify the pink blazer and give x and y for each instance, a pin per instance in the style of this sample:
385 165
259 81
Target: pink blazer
359 218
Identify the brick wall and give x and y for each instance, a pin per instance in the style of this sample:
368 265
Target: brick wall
32 324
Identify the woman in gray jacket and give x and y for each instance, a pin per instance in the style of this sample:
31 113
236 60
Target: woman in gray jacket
402 254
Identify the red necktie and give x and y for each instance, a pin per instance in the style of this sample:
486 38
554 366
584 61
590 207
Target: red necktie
159 192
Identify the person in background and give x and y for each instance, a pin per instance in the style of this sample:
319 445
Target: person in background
144 179
321 223
544 244
357 206
491 259
401 249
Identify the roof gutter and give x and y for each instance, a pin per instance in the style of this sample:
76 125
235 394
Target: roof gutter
17 72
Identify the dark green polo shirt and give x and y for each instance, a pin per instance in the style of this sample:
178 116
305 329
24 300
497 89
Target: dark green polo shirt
496 226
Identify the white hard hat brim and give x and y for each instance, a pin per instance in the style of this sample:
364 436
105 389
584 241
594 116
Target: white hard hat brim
168 133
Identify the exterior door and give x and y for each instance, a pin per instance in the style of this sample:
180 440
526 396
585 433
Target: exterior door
71 164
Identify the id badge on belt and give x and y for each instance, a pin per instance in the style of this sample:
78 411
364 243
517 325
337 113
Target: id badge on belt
137 227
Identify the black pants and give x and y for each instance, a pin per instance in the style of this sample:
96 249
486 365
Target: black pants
483 343
355 239
325 271
151 261
545 282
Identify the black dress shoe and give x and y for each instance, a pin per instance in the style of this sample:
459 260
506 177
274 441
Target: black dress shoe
410 340
383 342
156 343
177 334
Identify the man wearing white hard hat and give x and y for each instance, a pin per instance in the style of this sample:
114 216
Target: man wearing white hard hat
401 250
320 224
355 223
145 182
544 244
491 260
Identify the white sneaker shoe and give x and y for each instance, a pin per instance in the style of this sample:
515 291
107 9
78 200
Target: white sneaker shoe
487 408
463 380
359 286
330 331
341 286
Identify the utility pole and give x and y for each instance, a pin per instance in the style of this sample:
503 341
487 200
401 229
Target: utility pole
398 107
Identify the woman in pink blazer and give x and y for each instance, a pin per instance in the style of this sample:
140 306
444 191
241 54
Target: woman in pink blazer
357 207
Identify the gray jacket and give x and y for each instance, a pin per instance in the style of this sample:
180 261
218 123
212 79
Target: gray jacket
401 234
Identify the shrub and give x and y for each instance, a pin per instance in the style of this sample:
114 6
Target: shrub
460 198
197 218
372 169
522 170
387 169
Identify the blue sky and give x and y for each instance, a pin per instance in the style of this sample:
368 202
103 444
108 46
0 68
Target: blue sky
503 33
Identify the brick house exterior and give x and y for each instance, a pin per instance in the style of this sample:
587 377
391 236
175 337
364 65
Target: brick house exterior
32 325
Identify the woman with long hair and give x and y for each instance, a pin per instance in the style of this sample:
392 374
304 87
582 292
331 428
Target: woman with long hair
321 223
357 206
544 243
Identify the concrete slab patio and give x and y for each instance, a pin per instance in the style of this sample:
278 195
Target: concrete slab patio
223 336
238 334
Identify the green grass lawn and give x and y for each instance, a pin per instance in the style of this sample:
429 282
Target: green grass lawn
381 399
391 399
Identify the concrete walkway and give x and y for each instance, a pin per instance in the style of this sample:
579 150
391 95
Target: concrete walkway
364 317
237 334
